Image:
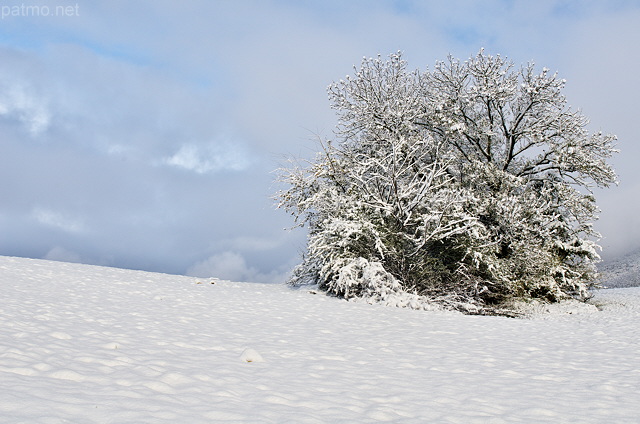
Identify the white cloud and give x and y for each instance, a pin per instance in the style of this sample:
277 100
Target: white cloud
209 158
63 255
57 220
22 104
226 266
232 266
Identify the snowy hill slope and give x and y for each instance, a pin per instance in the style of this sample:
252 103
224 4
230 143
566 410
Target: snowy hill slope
94 345
623 271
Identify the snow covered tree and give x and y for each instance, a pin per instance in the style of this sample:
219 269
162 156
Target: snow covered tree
467 185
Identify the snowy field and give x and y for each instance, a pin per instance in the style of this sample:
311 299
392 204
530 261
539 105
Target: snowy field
85 344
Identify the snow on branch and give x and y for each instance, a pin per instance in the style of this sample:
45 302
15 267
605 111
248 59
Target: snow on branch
462 185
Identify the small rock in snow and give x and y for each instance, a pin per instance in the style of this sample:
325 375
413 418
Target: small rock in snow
250 355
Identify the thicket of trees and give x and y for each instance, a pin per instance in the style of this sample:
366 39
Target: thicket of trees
467 185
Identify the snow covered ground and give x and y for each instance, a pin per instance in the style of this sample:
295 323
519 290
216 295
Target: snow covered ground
86 344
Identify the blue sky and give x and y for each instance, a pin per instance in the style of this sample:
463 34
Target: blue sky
144 134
